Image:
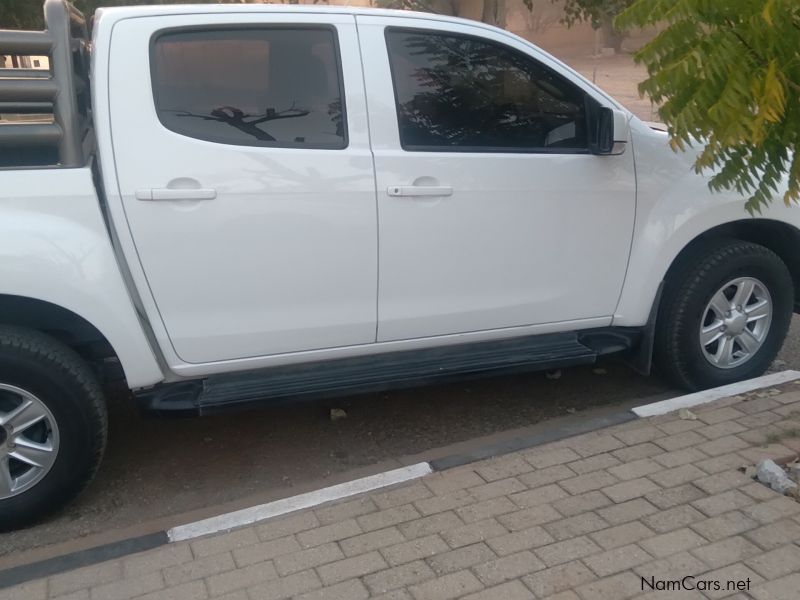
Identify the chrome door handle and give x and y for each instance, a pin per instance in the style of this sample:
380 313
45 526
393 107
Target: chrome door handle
419 190
176 194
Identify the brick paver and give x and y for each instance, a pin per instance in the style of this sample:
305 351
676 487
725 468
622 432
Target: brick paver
591 517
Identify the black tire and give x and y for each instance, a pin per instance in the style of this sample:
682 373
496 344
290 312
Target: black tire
65 384
677 352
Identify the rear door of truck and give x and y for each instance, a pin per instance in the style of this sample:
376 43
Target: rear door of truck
244 168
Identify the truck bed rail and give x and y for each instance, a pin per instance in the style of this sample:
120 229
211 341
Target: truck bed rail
63 92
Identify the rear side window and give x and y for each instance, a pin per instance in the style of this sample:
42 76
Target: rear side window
461 93
278 87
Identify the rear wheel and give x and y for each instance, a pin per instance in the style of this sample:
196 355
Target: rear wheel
724 315
52 425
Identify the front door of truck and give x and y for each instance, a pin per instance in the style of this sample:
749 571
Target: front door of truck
244 168
493 213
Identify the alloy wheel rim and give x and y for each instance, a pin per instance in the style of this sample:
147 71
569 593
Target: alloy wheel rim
736 322
29 440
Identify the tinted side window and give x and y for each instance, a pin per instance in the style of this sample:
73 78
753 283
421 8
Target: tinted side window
459 92
254 87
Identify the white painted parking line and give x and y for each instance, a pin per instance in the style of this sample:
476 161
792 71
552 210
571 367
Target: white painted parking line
724 391
284 506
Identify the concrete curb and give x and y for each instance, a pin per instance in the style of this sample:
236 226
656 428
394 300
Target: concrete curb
247 516
83 558
666 406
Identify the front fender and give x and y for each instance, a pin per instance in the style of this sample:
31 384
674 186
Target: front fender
673 207
54 246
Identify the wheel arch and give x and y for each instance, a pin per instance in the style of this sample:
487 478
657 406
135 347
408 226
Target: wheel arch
60 323
780 237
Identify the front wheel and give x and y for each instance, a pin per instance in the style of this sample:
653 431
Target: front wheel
52 425
724 315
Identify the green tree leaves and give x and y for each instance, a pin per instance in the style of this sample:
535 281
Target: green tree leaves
727 74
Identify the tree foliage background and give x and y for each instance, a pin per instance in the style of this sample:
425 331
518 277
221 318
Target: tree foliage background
727 73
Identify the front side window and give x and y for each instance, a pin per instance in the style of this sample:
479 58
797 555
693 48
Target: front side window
461 93
277 87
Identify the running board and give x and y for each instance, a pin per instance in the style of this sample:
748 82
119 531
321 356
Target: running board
370 373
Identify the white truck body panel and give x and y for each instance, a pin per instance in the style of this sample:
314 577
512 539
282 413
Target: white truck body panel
55 247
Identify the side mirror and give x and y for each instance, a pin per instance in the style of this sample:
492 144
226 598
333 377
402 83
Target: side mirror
608 130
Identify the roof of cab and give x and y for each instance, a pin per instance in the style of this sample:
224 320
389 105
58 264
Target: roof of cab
117 13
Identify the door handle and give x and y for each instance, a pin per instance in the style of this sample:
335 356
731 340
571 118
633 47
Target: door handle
419 190
176 194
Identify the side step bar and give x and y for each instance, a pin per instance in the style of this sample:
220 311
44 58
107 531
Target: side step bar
369 373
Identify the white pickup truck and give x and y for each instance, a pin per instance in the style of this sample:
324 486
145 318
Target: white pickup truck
231 205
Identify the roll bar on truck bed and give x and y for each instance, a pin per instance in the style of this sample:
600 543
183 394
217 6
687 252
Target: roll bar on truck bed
63 92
